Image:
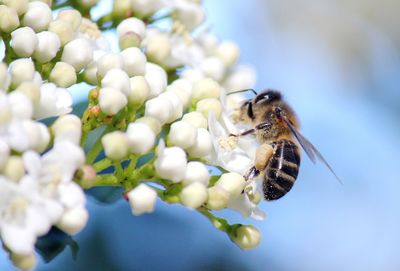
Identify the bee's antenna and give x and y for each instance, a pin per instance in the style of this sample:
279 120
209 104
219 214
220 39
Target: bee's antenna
243 90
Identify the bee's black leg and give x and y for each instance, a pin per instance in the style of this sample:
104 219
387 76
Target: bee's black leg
253 172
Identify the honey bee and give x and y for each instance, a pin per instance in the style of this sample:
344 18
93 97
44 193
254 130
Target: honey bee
276 127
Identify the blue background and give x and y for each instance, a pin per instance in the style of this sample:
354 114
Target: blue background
338 64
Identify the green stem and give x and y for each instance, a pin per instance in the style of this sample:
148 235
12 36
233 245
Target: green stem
119 171
102 164
8 54
219 223
105 180
132 165
97 147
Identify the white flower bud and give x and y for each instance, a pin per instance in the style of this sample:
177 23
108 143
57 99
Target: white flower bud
153 123
145 8
71 16
132 25
141 137
5 109
217 198
67 128
177 106
214 68
194 195
232 182
158 46
115 145
134 61
159 108
184 84
190 14
112 100
246 236
156 77
38 16
118 79
53 102
140 90
49 44
203 145
4 154
121 8
242 77
5 78
20 104
63 29
192 75
8 19
24 262
170 163
37 135
196 119
228 52
63 75
205 88
21 6
142 199
73 220
183 95
78 53
21 70
24 41
14 168
107 62
208 105
196 172
129 39
182 134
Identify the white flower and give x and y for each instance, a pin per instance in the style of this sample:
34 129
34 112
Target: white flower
73 220
156 77
153 123
78 53
140 90
182 134
203 145
170 163
182 94
132 25
24 41
14 169
24 261
228 52
21 105
21 6
107 62
117 79
112 100
213 67
53 102
4 153
115 145
194 195
241 77
48 46
196 119
5 79
205 88
67 128
8 19
38 16
205 106
158 46
145 8
218 198
134 61
63 75
63 29
142 199
141 138
196 172
159 108
246 236
188 13
176 102
71 16
21 70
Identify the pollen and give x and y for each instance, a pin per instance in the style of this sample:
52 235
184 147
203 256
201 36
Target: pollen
229 143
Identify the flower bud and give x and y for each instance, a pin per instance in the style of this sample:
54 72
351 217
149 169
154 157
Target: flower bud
190 14
107 62
128 40
24 262
134 61
117 79
140 90
213 67
21 106
67 128
72 16
156 77
184 84
21 6
141 137
24 41
232 182
5 109
4 154
196 172
176 102
145 8
142 199
53 102
228 52
194 195
38 16
112 100
5 78
48 46
132 25
242 77
21 70
64 31
196 119
115 145
170 163
205 88
217 198
203 145
192 75
8 19
182 134
78 53
73 220
183 95
63 75
208 105
122 8
158 46
245 236
159 108
37 137
14 168
153 123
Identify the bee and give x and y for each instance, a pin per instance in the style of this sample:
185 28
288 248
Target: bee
276 128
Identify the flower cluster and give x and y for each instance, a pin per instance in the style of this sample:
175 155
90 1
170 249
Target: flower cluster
157 123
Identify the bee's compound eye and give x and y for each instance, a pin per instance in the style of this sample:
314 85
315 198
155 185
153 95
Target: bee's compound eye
278 111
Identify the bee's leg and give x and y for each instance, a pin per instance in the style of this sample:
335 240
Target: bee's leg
253 172
248 132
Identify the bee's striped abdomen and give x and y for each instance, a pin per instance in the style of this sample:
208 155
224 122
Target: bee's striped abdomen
282 169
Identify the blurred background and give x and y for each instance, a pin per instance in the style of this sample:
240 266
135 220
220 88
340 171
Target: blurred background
338 63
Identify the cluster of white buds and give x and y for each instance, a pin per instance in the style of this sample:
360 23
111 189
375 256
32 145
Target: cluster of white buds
159 105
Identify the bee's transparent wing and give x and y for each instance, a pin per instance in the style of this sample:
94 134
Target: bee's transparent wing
308 147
